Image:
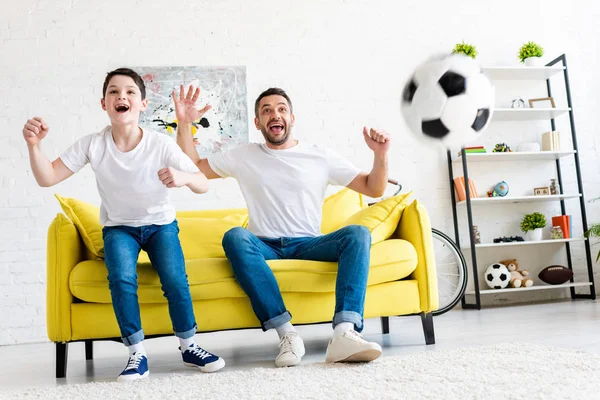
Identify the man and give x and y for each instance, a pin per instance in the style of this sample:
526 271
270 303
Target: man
284 183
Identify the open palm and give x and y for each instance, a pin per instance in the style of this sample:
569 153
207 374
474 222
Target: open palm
186 110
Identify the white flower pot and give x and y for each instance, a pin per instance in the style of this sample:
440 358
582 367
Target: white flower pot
534 62
534 235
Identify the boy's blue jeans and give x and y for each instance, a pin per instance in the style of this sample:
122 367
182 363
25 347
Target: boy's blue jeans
122 245
349 246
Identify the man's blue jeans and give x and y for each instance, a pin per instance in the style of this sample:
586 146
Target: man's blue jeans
349 246
122 245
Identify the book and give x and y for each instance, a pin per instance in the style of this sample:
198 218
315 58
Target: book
564 222
551 141
461 192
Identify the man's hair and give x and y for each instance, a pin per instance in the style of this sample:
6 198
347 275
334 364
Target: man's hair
125 72
271 92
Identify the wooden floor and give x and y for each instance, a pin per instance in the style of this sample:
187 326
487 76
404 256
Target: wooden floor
570 324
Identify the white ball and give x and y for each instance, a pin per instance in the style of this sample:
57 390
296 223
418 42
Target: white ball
497 276
448 100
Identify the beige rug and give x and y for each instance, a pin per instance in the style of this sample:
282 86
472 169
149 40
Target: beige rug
503 371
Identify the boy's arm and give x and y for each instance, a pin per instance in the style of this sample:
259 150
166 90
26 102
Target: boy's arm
46 173
171 178
187 112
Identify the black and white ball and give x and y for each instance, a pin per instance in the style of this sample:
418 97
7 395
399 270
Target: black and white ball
449 100
497 276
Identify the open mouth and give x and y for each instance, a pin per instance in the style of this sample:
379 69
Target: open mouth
121 108
276 127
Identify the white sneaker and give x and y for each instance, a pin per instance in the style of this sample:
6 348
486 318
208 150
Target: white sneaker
291 350
351 347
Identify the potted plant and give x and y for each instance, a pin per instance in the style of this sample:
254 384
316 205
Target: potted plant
594 231
532 225
530 54
466 49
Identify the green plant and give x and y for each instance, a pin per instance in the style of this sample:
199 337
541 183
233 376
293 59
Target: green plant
533 221
530 49
594 231
466 49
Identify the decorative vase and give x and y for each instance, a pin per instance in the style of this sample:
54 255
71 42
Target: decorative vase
534 235
533 61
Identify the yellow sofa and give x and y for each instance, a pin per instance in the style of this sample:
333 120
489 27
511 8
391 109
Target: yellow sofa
402 278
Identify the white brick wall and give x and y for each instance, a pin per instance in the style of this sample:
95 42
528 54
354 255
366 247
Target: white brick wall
344 63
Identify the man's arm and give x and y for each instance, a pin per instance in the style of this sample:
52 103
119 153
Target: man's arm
187 112
374 183
46 173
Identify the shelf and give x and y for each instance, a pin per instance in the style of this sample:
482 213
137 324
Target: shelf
521 73
519 199
549 241
527 114
516 156
540 287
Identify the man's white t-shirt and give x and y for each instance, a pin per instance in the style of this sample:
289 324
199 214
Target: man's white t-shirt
128 183
284 189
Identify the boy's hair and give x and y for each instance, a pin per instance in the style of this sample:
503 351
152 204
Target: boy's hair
125 72
271 92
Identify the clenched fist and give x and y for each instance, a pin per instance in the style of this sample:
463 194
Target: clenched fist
172 178
35 130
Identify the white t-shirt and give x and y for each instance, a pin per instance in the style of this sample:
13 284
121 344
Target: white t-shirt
128 183
284 189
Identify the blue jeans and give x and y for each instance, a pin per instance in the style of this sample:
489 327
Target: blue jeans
349 246
122 245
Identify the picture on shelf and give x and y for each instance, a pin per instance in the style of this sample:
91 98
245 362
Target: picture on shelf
541 191
542 102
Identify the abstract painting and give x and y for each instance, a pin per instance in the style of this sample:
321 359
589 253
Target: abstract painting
224 88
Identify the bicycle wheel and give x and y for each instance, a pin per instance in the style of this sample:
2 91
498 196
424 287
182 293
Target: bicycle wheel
451 271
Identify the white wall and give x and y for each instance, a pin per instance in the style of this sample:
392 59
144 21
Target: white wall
344 64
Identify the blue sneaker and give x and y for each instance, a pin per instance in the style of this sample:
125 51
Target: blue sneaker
196 357
137 368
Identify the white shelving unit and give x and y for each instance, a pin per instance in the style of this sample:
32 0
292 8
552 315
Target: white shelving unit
520 115
527 114
527 289
519 199
516 156
527 243
521 73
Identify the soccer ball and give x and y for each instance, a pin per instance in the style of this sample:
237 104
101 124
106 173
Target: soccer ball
497 276
449 100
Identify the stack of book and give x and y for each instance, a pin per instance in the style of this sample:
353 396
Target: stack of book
551 141
474 149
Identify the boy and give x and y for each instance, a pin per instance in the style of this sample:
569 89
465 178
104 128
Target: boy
133 168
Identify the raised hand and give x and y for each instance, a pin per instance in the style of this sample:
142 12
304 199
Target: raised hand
35 130
172 178
185 105
378 140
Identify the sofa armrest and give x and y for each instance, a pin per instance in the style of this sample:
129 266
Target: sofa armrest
65 250
415 227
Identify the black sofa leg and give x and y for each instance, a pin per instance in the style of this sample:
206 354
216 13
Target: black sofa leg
61 359
385 325
89 349
427 320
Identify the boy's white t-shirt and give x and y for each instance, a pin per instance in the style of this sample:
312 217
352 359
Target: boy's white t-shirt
128 183
284 189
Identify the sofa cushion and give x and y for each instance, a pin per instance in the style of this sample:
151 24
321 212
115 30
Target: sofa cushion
86 218
339 207
200 231
212 278
381 218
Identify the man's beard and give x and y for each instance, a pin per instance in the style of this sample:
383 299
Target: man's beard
279 142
